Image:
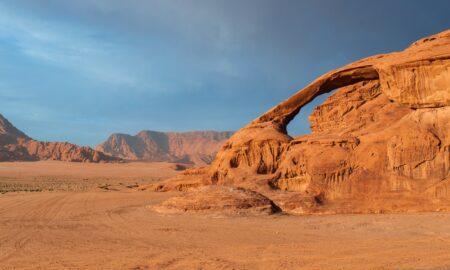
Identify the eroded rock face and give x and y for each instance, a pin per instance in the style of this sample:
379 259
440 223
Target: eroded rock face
419 84
198 147
379 143
349 109
17 146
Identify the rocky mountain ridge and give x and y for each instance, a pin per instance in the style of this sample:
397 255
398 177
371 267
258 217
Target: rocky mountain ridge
197 147
17 146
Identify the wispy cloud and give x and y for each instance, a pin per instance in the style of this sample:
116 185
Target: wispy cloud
66 46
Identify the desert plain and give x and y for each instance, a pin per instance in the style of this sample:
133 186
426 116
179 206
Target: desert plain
60 215
367 188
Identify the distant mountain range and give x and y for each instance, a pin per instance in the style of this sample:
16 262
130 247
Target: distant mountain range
196 147
17 146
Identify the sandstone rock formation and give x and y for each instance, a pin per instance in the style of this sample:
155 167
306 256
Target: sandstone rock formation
17 146
219 199
381 142
198 147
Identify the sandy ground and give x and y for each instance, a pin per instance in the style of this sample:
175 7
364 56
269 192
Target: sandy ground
114 228
72 176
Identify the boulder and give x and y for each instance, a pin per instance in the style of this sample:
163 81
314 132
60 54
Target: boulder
219 199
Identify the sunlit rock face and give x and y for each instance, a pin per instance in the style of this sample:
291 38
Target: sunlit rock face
379 142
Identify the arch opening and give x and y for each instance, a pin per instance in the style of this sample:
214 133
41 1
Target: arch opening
281 115
315 94
300 124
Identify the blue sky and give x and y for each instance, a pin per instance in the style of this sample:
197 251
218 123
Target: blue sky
79 70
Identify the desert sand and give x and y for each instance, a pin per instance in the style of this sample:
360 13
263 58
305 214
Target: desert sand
90 226
74 176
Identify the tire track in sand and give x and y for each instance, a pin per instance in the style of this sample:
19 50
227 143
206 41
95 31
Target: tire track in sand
41 214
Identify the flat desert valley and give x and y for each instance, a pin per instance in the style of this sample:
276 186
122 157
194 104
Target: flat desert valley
59 215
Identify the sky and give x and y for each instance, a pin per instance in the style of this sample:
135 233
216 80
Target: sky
79 70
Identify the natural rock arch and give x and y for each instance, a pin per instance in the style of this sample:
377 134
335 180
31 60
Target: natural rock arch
283 113
390 150
260 144
418 77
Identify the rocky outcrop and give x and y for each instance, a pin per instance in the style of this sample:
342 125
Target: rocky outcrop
198 147
219 200
17 146
380 142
